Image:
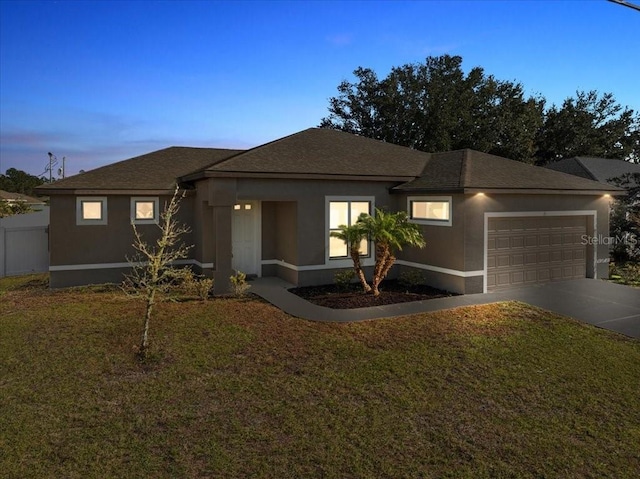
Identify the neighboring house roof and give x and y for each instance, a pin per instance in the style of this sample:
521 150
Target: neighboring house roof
473 170
153 171
326 152
598 169
18 197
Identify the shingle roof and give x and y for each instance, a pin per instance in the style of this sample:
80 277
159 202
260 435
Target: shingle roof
9 196
327 152
599 169
153 171
469 169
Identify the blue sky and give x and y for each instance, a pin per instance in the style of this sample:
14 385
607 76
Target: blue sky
99 82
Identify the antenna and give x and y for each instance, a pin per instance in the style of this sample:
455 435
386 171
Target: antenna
626 3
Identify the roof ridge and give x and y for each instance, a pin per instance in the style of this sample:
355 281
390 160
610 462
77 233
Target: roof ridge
258 147
584 167
464 171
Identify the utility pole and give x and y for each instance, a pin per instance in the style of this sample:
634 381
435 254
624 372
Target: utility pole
53 161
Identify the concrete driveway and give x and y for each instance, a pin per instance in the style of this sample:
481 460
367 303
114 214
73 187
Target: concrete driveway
603 304
607 305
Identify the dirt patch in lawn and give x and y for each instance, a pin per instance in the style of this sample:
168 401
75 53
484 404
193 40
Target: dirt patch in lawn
391 292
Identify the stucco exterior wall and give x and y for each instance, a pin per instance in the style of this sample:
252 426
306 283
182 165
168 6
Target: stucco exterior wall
461 246
294 232
86 254
477 205
308 216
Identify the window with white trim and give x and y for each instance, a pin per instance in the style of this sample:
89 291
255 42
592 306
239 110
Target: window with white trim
430 210
91 210
345 212
144 209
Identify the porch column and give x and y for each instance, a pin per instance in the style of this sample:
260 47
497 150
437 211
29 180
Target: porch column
223 247
222 197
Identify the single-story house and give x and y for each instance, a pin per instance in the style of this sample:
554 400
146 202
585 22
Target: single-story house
489 222
13 198
604 170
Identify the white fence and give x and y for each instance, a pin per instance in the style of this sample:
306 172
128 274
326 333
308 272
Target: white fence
24 243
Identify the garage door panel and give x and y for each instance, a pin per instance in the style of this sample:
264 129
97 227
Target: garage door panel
555 256
544 275
544 257
503 243
535 249
503 261
517 242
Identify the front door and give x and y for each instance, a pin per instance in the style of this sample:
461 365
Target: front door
245 235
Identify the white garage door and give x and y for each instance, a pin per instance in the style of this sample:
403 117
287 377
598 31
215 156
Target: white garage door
528 250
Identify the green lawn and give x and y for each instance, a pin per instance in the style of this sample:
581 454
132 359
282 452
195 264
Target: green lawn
236 388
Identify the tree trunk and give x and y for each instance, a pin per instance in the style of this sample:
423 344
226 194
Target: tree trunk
379 272
144 344
355 256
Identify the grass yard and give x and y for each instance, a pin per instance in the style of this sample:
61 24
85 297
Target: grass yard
236 388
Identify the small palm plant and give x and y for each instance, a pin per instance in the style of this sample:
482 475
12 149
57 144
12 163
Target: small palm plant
390 232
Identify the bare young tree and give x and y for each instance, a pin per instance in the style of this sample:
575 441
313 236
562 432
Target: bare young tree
153 269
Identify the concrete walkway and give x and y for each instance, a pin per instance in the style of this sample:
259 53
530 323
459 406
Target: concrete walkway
607 305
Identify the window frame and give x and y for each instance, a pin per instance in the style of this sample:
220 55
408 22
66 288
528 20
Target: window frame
80 220
145 199
430 199
344 261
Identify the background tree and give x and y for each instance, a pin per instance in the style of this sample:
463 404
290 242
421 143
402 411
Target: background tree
625 220
589 125
152 269
18 181
434 106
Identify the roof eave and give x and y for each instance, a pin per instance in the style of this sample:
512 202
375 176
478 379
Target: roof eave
109 191
511 191
546 191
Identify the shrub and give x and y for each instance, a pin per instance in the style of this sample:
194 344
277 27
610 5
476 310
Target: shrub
239 285
343 279
199 286
625 273
411 278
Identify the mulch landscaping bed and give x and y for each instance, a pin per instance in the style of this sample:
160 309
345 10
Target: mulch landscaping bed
391 292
